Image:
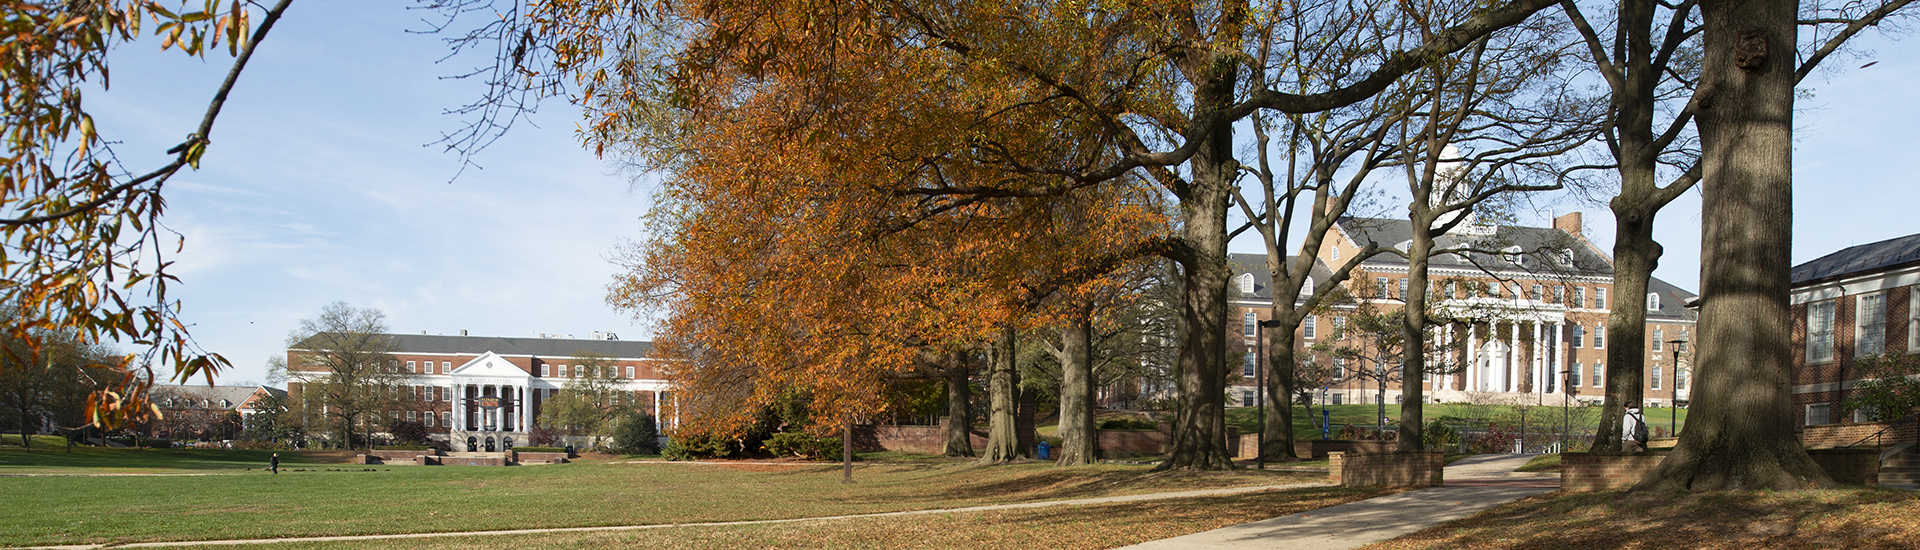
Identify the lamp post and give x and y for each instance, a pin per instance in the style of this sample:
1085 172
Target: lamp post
1260 389
1673 414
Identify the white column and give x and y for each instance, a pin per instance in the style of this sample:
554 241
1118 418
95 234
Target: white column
1560 355
1513 358
458 407
1473 357
1539 357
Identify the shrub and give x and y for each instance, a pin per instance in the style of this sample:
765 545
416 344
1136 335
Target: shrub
408 432
673 451
1128 423
637 434
1438 435
803 445
542 435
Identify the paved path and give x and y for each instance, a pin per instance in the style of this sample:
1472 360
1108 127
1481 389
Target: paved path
1473 484
1101 500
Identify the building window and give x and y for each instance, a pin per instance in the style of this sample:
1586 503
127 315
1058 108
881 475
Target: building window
411 369
1819 413
1656 377
429 419
1250 324
1653 302
1403 288
1599 298
1336 398
629 371
1246 283
1913 321
1579 336
446 367
546 370
1339 323
1579 296
1820 331
1560 295
1336 252
1310 326
1339 369
1539 292
579 371
1659 337
1246 398
1453 288
1306 287
1599 337
1680 378
1870 318
443 419
1247 364
1577 374
413 416
1381 286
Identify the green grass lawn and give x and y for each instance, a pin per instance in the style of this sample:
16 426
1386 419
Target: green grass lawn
310 499
49 455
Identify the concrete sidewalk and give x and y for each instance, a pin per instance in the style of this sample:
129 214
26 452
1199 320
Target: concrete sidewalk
1474 483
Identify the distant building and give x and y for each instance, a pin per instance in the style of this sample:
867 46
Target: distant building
191 411
1530 307
490 389
1850 305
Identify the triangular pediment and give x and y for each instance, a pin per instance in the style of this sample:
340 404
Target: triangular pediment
492 365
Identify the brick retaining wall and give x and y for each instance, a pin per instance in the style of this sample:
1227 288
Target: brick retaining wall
1835 435
1391 469
1599 472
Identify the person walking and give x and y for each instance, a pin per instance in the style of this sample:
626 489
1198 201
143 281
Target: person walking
1633 431
273 464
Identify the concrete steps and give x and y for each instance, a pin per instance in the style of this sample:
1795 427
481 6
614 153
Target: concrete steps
1902 468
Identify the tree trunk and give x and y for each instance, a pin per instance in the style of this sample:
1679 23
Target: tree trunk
1635 256
1003 438
1200 429
1414 331
1280 388
959 405
1079 442
1740 433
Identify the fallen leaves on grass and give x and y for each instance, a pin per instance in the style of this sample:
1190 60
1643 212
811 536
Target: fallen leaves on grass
1869 518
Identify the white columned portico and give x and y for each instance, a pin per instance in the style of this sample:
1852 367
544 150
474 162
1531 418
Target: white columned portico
1473 357
1536 358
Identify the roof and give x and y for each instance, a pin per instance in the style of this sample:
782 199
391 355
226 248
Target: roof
223 397
1673 301
539 347
1542 250
1256 265
1860 259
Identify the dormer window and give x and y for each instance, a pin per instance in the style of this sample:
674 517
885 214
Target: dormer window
1653 302
1566 257
1246 283
1306 287
1512 255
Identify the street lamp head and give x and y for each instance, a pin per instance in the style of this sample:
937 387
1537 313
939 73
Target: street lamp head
1678 345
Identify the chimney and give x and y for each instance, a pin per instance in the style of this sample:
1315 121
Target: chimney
463 332
1570 223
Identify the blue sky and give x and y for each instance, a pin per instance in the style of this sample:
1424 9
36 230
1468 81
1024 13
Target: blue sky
320 185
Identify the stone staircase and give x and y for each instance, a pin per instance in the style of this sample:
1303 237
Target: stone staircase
1900 465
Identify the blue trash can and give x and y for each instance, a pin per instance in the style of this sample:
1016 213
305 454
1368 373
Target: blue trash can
1044 451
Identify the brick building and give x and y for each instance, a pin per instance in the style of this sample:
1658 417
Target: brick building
1530 306
490 388
1850 305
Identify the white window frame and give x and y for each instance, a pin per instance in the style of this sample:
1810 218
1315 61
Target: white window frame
546 370
1560 295
428 420
1599 337
1657 375
1599 297
629 371
446 367
1246 283
1250 324
1310 327
1913 320
412 370
1659 342
1452 290
1380 284
1403 288
1820 331
1653 301
1247 362
1579 372
1336 252
1579 336
1539 293
1580 297
1599 375
1826 414
1870 336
